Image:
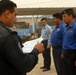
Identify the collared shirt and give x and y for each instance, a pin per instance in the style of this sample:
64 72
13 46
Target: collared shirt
69 40
46 33
57 35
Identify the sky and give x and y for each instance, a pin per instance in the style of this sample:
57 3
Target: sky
45 3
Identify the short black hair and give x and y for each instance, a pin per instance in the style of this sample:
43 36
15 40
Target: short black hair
68 11
7 5
58 15
44 19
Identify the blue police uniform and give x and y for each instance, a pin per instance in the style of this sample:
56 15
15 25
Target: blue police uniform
56 42
57 35
45 34
70 37
69 48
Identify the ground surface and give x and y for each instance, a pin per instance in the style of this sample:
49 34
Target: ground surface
38 71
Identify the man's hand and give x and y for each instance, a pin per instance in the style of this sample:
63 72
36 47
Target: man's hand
62 56
48 47
39 47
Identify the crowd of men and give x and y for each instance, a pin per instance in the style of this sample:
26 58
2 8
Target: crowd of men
62 40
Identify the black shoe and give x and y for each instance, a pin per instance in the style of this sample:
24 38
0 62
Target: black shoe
42 67
46 69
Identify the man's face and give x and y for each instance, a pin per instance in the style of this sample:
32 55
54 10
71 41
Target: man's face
55 20
43 22
66 18
12 17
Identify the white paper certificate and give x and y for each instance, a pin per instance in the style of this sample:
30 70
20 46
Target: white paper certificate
29 45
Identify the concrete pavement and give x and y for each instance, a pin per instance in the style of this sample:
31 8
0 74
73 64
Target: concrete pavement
38 71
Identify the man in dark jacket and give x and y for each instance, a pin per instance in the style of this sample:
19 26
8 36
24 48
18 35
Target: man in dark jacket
12 60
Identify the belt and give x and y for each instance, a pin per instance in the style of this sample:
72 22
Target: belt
44 40
70 50
57 47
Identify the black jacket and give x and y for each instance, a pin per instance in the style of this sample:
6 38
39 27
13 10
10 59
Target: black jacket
12 60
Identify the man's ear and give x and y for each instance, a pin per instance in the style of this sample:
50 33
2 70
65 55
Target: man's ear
70 15
7 14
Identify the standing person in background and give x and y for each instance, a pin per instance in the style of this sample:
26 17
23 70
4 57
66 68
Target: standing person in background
56 42
45 34
69 41
12 60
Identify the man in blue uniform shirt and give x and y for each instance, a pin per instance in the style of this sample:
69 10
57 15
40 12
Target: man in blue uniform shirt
69 41
45 34
56 42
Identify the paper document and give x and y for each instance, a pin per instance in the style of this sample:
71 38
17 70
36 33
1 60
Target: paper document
29 45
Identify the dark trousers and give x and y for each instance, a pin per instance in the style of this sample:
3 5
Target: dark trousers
46 55
70 58
59 63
